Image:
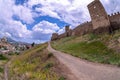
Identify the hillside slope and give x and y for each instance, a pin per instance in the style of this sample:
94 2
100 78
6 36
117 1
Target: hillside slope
3 60
85 70
97 48
35 64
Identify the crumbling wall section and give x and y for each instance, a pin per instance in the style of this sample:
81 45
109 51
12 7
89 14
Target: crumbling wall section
83 29
54 36
115 21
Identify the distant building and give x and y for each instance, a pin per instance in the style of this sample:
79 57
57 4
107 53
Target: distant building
5 46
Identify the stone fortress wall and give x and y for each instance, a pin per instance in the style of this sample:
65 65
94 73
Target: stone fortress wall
100 22
99 17
83 29
115 21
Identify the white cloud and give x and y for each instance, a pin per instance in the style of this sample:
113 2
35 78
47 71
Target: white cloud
15 29
5 34
24 13
43 25
10 27
6 11
43 30
111 6
73 12
20 29
47 11
61 31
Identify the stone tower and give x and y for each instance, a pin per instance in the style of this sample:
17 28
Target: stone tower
54 36
99 17
68 31
67 28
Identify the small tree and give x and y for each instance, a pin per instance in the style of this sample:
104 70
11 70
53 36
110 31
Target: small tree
33 44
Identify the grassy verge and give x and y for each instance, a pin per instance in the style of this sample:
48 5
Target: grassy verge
1 70
3 60
90 47
34 64
1 73
2 57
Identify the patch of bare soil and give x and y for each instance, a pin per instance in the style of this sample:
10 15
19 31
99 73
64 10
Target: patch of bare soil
63 71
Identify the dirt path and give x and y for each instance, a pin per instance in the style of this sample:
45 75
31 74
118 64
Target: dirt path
85 70
6 70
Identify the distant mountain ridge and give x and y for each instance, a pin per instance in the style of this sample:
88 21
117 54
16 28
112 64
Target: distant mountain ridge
12 41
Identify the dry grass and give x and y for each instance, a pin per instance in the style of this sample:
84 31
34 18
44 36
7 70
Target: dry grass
34 64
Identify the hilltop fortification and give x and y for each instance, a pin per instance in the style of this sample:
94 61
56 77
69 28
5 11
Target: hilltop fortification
114 21
99 17
100 22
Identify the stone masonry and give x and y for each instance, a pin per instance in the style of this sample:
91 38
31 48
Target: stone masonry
100 19
100 22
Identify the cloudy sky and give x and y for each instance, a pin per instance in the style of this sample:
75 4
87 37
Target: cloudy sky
35 20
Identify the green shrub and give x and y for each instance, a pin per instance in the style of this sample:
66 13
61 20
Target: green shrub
50 55
62 78
17 53
10 53
118 64
93 36
3 57
48 65
1 70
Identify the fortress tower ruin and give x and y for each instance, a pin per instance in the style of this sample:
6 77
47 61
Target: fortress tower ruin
100 22
67 28
54 36
99 17
68 31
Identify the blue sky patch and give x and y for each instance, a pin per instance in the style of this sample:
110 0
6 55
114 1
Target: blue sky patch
61 24
20 2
